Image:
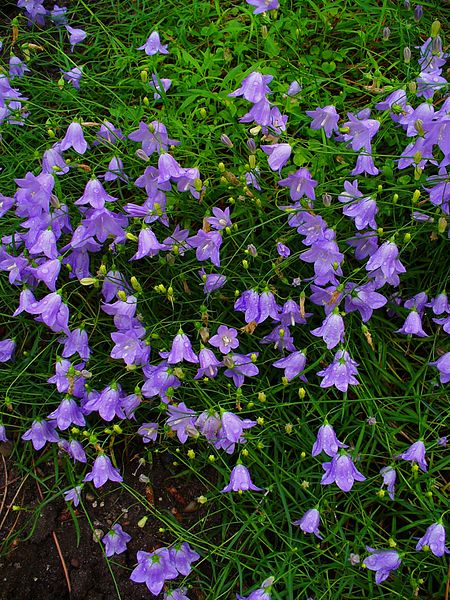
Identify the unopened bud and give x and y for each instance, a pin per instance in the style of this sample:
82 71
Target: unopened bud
386 33
326 199
117 428
436 45
261 396
226 140
435 28
442 225
88 280
141 523
245 264
122 295
418 12
141 154
412 86
144 76
407 4
264 32
203 112
130 236
301 393
135 284
221 167
252 161
415 196
395 198
146 101
406 55
407 238
202 499
251 145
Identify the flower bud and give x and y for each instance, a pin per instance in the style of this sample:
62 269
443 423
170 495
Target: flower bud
141 154
301 393
435 28
117 428
407 55
141 523
262 397
252 161
191 454
326 199
251 145
226 140
415 196
135 284
144 76
122 295
442 225
436 45
221 167
264 32
130 236
412 86
203 112
418 12
251 249
395 198
407 4
260 420
146 101
407 238
386 33
245 264
202 500
88 280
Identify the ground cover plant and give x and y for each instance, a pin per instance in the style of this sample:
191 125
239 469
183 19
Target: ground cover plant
223 262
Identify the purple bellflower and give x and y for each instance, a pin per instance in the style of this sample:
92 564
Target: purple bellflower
278 155
240 481
239 367
434 539
225 339
212 281
327 442
221 218
442 364
74 495
40 433
181 420
182 556
116 540
3 437
389 476
102 471
7 348
416 454
153 45
325 118
76 36
340 372
207 246
341 471
263 5
67 413
74 138
293 364
262 593
153 137
154 569
310 522
177 594
254 87
331 330
208 364
413 325
73 77
149 432
17 68
300 184
181 350
383 562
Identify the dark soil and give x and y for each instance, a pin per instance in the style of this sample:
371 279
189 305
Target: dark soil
31 569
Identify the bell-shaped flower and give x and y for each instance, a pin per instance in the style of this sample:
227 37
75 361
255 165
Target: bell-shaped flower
153 45
327 442
415 454
102 471
310 522
341 471
240 481
434 539
383 562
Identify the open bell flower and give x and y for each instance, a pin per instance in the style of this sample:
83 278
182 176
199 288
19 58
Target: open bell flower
102 470
416 454
240 481
153 45
434 539
383 562
116 540
310 522
342 472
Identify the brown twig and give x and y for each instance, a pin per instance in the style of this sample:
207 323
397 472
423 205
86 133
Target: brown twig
58 547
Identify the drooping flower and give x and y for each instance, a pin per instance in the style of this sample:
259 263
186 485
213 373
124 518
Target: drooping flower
383 562
310 522
341 471
153 45
149 432
177 594
389 476
76 36
209 364
262 593
181 350
116 540
340 372
434 539
293 364
416 454
67 413
331 330
413 325
278 155
95 195
74 495
240 366
442 364
73 77
182 421
240 481
102 471
40 433
3 437
7 348
327 442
